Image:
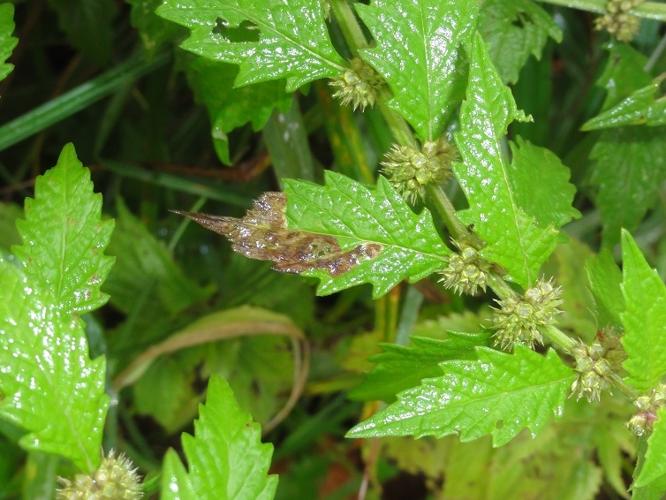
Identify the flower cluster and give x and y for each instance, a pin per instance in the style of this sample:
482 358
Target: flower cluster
116 479
593 370
466 271
648 406
358 86
618 20
519 320
410 170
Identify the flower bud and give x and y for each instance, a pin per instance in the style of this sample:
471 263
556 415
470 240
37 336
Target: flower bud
593 369
115 479
358 86
410 170
466 272
618 20
648 407
519 320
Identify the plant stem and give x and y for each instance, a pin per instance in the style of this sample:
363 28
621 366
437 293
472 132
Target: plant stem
559 339
447 212
78 98
349 26
649 10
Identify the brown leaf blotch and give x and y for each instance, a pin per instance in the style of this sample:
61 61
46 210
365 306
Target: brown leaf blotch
262 234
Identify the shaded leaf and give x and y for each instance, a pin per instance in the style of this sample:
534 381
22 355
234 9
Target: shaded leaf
293 43
229 108
497 394
145 271
623 74
419 54
646 106
540 183
605 279
567 267
154 30
9 213
400 367
644 318
629 164
88 26
226 459
7 41
514 31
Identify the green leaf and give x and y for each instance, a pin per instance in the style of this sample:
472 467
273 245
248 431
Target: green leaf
401 367
410 247
497 394
654 466
644 318
226 457
229 107
293 43
7 41
514 31
646 106
419 54
64 237
88 26
540 183
45 362
605 280
514 239
51 387
629 165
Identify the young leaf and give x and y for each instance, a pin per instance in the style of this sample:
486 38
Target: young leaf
64 237
401 367
646 106
514 31
605 280
654 465
497 394
7 41
629 164
229 107
226 457
419 54
514 239
293 41
342 233
51 387
644 318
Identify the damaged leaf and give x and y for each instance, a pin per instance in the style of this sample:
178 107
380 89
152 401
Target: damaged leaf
337 234
263 235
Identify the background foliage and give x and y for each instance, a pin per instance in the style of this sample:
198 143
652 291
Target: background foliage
147 307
